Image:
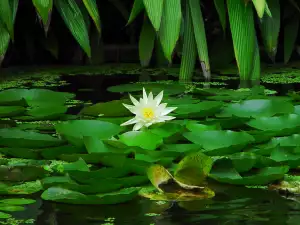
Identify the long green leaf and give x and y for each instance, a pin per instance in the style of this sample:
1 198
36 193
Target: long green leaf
146 42
221 9
7 16
170 27
154 10
260 6
92 8
200 37
243 35
137 8
256 64
189 54
270 27
290 35
44 9
73 18
4 34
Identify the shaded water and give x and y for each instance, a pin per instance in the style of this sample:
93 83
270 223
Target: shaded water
231 205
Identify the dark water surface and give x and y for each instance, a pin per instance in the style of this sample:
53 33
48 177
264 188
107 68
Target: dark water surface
231 205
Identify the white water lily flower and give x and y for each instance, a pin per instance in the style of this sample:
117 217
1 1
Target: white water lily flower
148 111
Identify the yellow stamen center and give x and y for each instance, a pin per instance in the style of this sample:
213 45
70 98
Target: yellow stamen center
148 113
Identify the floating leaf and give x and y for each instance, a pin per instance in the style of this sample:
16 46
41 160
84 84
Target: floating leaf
58 194
17 201
143 139
10 111
94 144
13 137
220 142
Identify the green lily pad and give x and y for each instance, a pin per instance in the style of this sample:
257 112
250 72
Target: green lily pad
182 148
25 153
48 112
33 96
243 161
75 130
17 201
4 215
113 108
286 155
16 138
224 171
228 122
10 111
288 141
11 208
197 127
257 108
21 173
24 188
201 109
94 144
58 194
79 165
284 125
219 142
144 139
155 88
55 152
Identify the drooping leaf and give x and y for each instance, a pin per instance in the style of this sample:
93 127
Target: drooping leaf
137 7
200 37
260 6
243 34
189 52
221 9
92 8
270 27
193 169
170 26
44 9
6 16
146 42
154 10
290 36
74 20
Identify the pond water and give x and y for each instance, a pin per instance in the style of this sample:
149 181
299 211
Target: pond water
231 205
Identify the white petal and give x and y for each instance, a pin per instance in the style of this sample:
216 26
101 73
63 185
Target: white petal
159 97
145 97
148 124
168 110
150 97
131 121
131 108
168 117
137 126
159 109
134 101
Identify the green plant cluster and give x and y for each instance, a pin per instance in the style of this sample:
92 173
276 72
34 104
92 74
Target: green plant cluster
245 138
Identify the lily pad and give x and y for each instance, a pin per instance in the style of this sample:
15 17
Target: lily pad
25 153
24 188
283 125
201 109
286 155
75 130
33 96
219 142
224 171
17 201
257 108
113 108
4 215
55 152
58 194
9 111
144 139
13 137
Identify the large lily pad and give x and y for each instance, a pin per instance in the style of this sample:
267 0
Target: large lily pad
224 171
286 155
9 111
59 194
219 142
75 130
257 108
33 97
13 137
25 153
201 109
113 108
24 188
144 139
284 125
